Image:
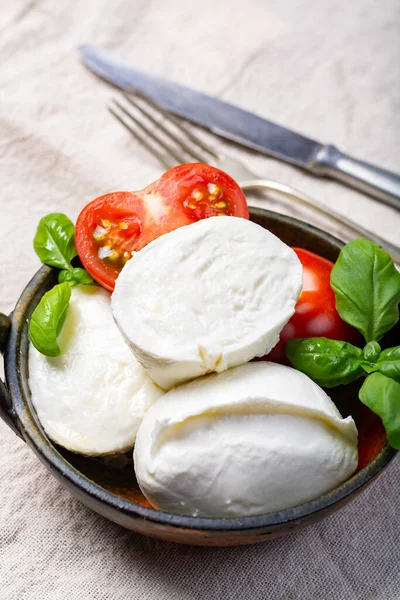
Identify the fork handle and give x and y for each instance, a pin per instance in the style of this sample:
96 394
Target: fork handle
343 221
367 178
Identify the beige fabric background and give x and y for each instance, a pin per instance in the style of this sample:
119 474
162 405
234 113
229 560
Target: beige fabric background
329 69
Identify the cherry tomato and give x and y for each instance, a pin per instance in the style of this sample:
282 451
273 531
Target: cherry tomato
315 314
112 226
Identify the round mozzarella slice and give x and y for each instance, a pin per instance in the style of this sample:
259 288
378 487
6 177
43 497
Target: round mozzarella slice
258 438
206 297
92 398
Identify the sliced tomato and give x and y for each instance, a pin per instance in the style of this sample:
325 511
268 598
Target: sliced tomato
112 226
201 191
315 314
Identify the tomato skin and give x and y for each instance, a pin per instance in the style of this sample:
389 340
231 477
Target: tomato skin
315 313
111 227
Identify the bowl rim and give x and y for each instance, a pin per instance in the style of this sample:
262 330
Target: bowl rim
34 434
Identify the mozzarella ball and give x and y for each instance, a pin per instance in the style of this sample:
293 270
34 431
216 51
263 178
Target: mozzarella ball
206 297
90 399
255 439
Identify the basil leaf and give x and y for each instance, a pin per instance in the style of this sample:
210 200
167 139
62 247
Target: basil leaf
372 351
382 395
327 362
54 241
389 363
369 367
48 318
77 275
367 288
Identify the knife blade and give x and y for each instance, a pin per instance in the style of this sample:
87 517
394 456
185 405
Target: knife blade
243 127
220 117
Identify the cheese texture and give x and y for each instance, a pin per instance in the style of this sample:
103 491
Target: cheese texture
92 398
258 438
206 297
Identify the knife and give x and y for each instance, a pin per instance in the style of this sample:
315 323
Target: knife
248 129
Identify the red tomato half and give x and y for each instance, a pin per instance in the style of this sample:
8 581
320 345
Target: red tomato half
109 228
315 314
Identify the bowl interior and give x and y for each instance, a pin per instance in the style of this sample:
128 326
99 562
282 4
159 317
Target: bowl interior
117 474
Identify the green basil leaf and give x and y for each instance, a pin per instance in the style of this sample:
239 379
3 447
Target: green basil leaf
367 288
372 351
77 275
327 362
369 367
389 363
54 241
48 318
382 395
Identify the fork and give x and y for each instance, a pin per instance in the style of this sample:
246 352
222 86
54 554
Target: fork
171 142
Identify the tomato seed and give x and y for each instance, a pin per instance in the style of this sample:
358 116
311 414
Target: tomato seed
99 233
113 256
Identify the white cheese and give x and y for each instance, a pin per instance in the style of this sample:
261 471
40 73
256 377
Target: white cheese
206 297
258 438
92 398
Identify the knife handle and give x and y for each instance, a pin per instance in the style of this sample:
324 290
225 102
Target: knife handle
367 178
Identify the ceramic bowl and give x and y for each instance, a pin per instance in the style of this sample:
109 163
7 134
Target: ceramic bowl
111 489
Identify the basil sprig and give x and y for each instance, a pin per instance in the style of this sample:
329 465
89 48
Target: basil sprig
55 246
367 291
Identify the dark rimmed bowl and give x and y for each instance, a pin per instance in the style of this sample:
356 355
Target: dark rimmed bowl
112 490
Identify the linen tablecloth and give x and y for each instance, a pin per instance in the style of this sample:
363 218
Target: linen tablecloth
327 69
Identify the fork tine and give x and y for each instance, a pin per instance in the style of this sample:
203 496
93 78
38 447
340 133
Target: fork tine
178 123
151 134
161 157
188 149
191 135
